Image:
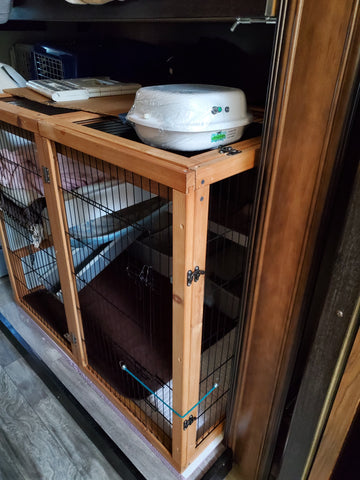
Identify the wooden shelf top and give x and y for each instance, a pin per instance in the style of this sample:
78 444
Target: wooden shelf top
179 171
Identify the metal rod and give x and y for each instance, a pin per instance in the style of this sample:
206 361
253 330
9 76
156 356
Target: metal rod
250 20
161 400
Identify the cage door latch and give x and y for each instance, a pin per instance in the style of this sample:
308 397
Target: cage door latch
70 337
189 422
46 174
227 150
194 275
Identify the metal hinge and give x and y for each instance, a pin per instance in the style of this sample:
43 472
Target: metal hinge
229 150
70 337
189 422
46 174
194 275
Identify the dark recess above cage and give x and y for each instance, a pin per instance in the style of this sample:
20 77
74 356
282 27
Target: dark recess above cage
55 10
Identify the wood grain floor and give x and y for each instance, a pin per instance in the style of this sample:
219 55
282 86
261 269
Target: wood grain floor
38 438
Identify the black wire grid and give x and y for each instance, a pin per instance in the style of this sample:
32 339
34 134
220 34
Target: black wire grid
48 108
28 228
119 230
230 210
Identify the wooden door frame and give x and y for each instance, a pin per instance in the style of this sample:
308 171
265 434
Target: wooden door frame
312 77
333 319
342 415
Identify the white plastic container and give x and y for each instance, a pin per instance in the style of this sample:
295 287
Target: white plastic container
189 117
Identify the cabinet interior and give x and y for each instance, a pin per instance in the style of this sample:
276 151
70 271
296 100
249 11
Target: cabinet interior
119 233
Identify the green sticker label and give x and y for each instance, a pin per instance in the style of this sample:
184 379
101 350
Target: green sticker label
217 137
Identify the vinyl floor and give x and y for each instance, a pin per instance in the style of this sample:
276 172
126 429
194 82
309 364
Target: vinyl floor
38 437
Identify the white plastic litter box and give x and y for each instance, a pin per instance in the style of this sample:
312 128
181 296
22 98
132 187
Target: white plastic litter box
189 117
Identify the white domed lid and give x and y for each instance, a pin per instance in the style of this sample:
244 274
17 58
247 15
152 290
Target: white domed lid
189 107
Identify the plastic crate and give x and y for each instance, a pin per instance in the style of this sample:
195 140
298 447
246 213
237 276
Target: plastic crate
69 60
54 63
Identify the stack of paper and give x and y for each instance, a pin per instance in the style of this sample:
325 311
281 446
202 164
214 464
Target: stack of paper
81 88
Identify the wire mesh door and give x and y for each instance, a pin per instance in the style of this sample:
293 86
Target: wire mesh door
119 228
27 229
230 212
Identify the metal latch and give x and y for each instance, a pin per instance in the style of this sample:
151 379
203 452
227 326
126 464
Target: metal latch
189 422
46 174
229 150
70 337
194 275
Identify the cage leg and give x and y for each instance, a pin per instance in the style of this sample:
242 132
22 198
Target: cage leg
15 269
190 217
58 224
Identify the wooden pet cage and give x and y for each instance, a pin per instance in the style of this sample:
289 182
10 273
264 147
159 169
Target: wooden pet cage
132 259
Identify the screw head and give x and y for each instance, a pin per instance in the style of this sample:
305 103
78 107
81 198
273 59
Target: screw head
339 313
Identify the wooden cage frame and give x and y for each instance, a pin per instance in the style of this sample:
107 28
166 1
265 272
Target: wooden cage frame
190 179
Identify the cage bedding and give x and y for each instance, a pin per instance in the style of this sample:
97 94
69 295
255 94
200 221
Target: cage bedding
120 326
19 169
127 319
22 190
